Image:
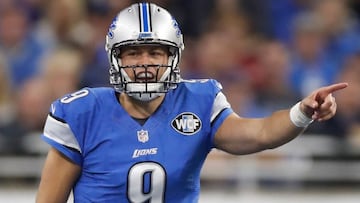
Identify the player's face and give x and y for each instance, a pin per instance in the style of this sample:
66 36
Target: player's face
144 55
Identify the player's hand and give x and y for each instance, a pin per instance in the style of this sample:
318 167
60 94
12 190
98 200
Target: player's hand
320 105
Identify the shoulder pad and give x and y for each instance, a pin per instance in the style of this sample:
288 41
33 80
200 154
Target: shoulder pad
73 104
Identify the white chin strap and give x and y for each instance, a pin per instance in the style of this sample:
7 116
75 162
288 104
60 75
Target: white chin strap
142 95
145 96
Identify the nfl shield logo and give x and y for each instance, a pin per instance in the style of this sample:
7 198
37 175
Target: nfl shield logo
143 136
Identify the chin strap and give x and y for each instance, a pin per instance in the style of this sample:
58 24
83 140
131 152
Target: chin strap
145 96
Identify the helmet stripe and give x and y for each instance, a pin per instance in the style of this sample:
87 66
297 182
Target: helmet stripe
145 17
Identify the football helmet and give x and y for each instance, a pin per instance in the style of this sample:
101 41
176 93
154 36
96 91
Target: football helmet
141 24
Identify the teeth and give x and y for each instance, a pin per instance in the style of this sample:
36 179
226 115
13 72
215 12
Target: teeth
145 75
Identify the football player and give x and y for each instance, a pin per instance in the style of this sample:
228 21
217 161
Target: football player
146 139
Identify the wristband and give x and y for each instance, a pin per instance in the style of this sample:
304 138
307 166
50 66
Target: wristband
298 118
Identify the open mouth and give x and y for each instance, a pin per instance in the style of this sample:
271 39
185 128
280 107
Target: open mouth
145 76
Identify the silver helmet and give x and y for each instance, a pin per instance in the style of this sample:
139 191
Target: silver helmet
139 24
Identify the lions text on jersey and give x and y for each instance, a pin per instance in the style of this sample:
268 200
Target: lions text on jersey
123 161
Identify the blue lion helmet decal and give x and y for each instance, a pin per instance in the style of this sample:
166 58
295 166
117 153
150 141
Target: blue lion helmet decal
176 26
112 28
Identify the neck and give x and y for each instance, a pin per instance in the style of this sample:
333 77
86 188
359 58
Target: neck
140 109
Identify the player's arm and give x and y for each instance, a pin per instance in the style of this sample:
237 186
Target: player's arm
58 177
243 136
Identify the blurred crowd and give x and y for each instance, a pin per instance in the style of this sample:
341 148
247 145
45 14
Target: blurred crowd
267 54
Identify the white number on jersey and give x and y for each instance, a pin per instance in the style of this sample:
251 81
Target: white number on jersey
136 183
75 95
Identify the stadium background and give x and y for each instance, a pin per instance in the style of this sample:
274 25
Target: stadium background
266 53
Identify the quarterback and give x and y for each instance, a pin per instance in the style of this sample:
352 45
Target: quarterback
146 139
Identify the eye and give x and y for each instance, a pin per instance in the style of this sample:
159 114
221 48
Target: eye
132 53
158 52
129 52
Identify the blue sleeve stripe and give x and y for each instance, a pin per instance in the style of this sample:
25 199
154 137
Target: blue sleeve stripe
72 154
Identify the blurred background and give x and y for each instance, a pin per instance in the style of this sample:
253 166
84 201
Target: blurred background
267 54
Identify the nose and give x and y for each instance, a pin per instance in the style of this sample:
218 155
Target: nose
144 59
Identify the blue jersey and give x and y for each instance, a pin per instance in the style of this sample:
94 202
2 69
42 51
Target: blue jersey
124 161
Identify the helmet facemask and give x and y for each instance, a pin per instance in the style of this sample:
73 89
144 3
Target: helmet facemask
145 85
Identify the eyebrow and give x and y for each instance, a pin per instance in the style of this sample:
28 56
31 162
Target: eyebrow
150 48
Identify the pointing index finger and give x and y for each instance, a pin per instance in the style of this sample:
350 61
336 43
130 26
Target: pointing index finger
323 92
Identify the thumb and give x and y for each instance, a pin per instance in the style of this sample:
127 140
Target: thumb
308 105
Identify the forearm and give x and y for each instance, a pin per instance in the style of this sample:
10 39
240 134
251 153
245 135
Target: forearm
278 129
244 136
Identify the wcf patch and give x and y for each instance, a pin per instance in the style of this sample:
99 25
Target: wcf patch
186 123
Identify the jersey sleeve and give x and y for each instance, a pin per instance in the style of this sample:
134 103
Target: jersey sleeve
59 135
63 127
221 108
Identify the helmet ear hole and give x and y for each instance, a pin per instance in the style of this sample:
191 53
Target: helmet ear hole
116 51
172 51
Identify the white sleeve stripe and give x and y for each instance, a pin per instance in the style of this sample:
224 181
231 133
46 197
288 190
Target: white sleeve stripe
220 104
60 133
